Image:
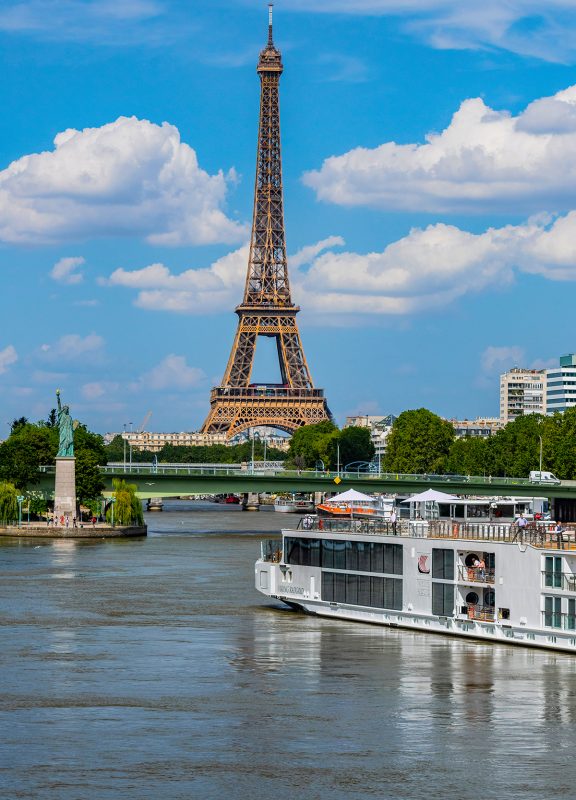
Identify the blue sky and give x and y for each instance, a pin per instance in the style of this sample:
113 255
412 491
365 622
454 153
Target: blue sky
429 153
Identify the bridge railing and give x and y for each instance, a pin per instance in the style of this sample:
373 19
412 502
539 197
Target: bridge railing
264 469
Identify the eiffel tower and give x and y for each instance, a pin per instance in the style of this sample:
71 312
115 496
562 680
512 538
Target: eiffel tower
267 309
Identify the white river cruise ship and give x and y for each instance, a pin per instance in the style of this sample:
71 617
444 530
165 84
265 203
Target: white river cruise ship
488 581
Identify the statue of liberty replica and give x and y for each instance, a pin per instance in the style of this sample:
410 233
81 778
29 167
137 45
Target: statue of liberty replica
66 427
65 489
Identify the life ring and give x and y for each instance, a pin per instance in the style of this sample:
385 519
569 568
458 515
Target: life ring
470 612
307 523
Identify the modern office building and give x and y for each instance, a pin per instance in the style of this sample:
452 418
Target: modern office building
561 385
522 391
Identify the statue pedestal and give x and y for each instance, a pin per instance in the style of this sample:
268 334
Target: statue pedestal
65 490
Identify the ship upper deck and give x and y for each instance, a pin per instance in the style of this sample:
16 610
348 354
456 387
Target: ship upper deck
536 533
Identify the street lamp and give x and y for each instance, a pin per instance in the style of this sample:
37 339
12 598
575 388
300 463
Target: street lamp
111 500
124 438
20 499
130 443
540 476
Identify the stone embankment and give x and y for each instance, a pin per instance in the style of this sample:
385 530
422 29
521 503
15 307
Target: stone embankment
39 530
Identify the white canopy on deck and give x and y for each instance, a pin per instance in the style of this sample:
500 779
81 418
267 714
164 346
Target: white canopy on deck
431 496
351 496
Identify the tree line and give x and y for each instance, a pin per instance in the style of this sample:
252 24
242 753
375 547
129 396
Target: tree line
421 442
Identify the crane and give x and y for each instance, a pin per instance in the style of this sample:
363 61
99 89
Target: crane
145 422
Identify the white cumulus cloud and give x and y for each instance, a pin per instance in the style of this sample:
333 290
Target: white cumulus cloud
484 161
72 347
495 360
64 270
127 178
173 374
427 269
528 27
8 356
213 289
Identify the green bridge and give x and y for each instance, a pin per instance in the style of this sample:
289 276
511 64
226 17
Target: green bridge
175 481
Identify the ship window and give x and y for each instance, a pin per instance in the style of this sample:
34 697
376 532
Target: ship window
363 590
328 586
292 550
393 593
351 555
339 587
339 555
442 599
363 549
571 618
503 613
327 553
443 563
352 589
553 572
552 612
377 557
314 552
377 592
393 559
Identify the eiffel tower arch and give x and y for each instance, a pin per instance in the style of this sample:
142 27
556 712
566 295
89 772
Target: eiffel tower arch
267 308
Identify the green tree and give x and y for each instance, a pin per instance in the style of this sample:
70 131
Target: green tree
419 442
471 455
8 503
516 448
89 483
355 445
559 444
127 507
313 443
18 423
27 448
85 440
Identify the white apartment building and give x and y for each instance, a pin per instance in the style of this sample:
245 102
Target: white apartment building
522 391
480 427
561 385
145 440
380 427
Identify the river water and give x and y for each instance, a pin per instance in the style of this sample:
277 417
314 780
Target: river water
152 669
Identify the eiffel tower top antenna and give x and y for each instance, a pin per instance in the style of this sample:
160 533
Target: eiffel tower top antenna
270 40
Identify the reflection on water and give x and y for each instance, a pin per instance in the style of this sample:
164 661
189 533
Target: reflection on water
154 670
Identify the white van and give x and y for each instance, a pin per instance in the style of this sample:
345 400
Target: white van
543 477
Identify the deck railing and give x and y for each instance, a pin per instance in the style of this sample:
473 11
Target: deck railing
535 533
475 575
482 613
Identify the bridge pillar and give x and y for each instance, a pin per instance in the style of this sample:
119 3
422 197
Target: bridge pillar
251 501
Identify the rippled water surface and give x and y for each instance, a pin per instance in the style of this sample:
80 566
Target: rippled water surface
152 669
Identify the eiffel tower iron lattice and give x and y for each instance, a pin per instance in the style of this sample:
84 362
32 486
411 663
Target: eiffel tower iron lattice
267 308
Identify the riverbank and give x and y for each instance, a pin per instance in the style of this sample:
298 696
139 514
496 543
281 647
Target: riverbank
39 530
